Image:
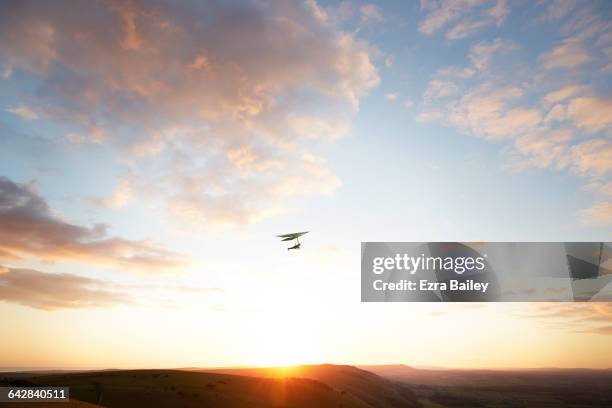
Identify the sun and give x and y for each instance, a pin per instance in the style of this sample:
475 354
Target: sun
279 345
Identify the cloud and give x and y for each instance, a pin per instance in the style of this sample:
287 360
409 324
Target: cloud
605 330
201 194
487 111
245 186
544 113
600 214
557 113
50 291
545 148
558 9
121 196
437 89
482 53
196 82
591 113
562 94
429 116
128 13
465 17
439 14
592 157
391 96
499 12
455 73
371 13
465 28
584 317
604 188
28 227
24 112
567 55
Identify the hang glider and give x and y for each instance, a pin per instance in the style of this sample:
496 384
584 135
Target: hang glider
293 236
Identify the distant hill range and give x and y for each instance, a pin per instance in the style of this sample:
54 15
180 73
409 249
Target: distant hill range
541 387
494 378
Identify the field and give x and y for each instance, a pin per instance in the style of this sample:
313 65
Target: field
572 388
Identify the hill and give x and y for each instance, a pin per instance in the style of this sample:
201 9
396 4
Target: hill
389 370
495 378
69 404
366 386
334 386
549 387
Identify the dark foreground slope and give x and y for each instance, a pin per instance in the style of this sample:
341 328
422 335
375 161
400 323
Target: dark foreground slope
366 386
181 388
572 388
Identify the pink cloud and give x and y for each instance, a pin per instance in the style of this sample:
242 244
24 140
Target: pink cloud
465 17
197 82
29 228
600 214
50 292
591 113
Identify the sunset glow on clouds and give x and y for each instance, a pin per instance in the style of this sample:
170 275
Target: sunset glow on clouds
147 140
180 89
552 112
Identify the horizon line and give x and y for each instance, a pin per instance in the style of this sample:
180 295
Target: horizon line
362 366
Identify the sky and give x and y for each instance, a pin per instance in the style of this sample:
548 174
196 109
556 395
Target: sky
150 151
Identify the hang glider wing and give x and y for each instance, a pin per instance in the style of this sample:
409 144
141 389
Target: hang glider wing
294 235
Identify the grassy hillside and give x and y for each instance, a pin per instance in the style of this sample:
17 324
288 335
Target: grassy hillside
327 386
181 388
69 404
369 387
